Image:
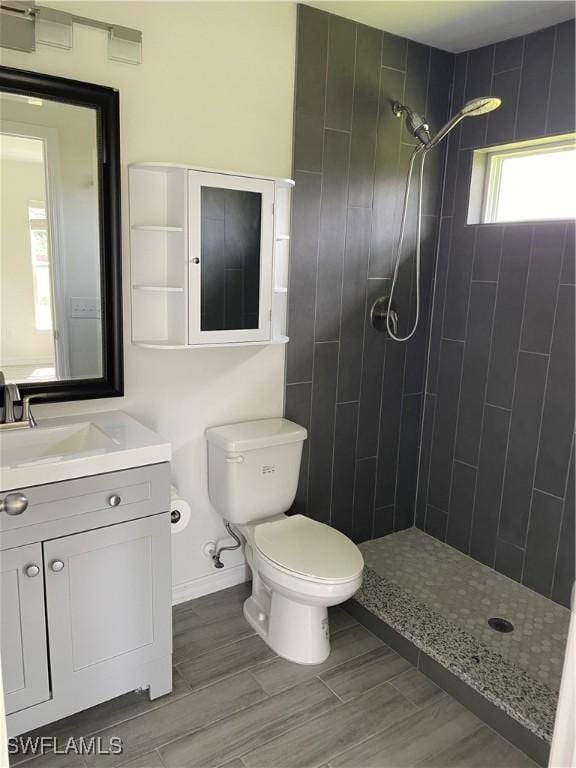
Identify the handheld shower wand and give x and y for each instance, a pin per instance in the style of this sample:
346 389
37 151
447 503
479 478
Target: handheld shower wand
421 131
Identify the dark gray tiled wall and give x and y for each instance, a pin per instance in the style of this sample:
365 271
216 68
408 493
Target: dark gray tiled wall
497 455
360 396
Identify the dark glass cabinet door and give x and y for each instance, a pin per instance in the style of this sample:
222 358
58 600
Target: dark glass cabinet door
231 231
230 256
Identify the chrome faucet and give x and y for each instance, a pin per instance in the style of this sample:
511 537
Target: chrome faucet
27 416
11 397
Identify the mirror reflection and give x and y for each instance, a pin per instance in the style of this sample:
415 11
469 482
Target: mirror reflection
50 293
230 258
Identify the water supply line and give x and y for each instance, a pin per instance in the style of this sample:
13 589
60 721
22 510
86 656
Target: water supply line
216 556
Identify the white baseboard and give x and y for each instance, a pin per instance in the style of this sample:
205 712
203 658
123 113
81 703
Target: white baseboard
214 582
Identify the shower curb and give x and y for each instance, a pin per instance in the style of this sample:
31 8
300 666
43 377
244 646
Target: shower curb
502 694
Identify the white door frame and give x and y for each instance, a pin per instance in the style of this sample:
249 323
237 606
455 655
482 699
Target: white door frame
49 137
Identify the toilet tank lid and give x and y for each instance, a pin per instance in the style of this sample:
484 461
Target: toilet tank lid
251 435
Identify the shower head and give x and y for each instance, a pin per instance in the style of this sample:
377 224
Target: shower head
479 106
414 122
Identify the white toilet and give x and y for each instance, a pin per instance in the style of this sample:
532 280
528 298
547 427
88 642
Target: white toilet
299 566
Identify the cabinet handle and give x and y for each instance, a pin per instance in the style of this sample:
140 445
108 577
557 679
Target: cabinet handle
196 260
13 504
114 500
32 570
57 566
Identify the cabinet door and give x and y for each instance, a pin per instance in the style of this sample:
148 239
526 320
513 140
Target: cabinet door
108 596
23 628
231 232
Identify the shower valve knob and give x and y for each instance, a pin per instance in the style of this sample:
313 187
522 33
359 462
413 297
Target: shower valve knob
381 314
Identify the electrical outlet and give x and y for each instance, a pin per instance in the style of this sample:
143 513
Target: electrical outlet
86 308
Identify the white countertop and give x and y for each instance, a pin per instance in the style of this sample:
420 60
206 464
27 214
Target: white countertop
68 447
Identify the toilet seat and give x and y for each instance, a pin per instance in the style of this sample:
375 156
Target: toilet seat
308 549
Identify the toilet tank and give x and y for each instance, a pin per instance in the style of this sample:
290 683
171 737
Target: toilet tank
253 468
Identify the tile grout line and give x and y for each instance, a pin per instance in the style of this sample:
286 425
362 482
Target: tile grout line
317 677
466 340
459 402
413 285
431 439
521 68
210 724
551 495
500 407
515 381
339 705
549 91
555 567
489 359
304 170
377 457
185 733
355 744
307 502
388 341
344 244
366 292
541 420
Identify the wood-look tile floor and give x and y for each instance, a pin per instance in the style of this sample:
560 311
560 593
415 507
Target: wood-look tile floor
235 704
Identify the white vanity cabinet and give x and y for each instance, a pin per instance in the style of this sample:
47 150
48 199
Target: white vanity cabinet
23 628
86 599
209 257
105 603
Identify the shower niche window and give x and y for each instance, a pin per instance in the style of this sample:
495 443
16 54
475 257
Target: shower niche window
524 181
209 257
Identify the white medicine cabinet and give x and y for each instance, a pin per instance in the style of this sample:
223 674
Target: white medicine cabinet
209 257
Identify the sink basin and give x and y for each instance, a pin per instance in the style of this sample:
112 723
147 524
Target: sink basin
68 447
49 444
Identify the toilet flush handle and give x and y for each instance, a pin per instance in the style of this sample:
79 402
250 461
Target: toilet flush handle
235 459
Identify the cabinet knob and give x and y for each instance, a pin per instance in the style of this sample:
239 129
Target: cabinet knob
196 260
114 500
13 504
57 566
32 570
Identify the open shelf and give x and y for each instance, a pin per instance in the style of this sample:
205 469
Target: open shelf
165 231
155 344
171 345
159 288
156 228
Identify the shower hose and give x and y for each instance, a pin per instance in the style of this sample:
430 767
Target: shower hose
422 152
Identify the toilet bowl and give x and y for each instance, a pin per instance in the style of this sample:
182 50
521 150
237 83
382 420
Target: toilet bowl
300 567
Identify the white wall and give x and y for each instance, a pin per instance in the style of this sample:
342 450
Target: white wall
216 89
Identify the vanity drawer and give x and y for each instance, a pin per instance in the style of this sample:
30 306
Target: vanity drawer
89 502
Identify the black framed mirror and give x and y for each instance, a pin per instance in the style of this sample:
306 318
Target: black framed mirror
60 264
